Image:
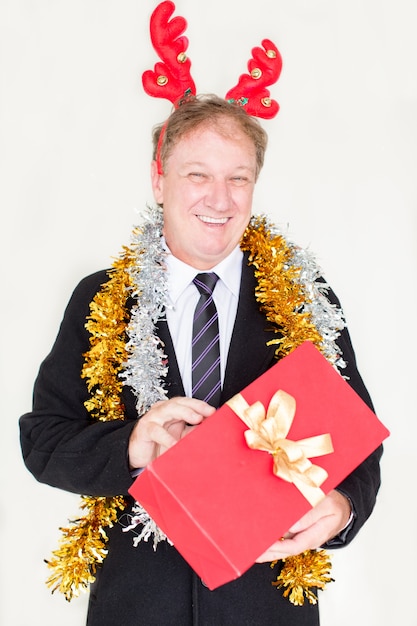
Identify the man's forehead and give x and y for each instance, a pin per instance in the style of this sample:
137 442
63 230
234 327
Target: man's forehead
198 136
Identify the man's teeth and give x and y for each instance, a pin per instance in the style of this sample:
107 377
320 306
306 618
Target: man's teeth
212 220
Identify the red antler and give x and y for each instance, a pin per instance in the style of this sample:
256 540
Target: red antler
170 79
250 92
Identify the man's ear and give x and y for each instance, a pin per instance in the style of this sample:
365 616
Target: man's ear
157 183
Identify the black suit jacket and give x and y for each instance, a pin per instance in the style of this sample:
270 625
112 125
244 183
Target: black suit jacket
63 447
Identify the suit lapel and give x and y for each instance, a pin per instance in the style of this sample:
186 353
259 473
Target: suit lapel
173 381
249 356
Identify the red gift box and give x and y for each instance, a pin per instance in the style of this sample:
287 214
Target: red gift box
220 502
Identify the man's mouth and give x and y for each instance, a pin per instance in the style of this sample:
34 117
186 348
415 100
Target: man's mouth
212 220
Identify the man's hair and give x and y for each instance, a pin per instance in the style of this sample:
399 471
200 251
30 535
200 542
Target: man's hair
207 111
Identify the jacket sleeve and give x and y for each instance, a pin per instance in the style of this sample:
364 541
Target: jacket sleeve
61 445
362 485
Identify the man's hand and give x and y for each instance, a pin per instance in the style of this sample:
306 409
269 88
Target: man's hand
317 526
162 426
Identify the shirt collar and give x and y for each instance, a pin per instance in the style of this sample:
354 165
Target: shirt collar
180 274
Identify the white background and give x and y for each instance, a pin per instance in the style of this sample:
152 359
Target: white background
340 174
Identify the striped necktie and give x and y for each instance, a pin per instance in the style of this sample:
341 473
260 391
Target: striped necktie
206 382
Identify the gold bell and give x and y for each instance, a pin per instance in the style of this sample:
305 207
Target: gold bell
256 73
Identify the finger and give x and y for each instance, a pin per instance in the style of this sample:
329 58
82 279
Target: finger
279 550
329 516
187 410
198 405
193 410
315 535
162 436
305 522
292 544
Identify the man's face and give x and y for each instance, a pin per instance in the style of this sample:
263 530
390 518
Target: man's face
206 191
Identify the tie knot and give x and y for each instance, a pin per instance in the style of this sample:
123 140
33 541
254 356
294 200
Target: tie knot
206 282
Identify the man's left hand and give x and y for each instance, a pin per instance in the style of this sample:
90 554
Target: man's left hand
320 524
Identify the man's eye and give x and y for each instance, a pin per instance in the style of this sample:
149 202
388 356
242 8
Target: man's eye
196 176
239 180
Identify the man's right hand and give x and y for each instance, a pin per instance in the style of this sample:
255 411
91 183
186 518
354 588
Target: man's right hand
163 426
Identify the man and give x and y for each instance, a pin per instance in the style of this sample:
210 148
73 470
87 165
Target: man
203 175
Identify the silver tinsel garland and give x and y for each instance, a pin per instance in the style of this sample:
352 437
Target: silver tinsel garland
326 317
146 366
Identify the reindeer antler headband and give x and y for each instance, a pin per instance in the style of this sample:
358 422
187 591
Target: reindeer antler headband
172 79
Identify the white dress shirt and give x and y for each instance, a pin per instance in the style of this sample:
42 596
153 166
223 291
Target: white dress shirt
183 298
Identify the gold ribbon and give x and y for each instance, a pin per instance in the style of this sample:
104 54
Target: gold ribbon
291 458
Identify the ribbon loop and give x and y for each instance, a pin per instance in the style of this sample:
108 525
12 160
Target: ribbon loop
268 432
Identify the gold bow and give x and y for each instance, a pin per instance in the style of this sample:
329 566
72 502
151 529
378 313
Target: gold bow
291 458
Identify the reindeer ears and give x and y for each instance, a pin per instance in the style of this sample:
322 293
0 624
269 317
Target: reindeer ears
251 92
172 80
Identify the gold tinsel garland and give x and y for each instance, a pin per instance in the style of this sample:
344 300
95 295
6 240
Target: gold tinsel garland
82 546
303 573
278 291
281 296
107 324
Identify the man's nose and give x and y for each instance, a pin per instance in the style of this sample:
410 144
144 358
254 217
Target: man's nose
218 195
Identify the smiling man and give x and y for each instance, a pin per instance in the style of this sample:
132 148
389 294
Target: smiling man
145 314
